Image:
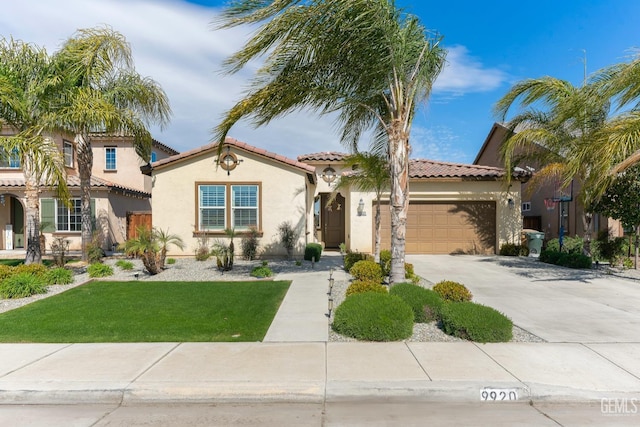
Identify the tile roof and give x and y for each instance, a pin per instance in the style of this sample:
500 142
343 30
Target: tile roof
421 168
73 181
239 144
326 156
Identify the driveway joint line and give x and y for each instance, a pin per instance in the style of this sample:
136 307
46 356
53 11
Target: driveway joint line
500 364
38 359
416 359
610 361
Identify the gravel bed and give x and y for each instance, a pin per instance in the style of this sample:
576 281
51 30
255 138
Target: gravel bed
422 332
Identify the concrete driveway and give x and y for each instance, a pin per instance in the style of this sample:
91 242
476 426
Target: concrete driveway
555 303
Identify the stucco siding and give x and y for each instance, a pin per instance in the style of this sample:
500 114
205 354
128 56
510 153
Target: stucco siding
282 197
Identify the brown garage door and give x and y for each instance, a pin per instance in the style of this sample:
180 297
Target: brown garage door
446 227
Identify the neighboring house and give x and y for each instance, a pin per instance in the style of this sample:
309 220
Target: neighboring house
454 208
538 208
119 192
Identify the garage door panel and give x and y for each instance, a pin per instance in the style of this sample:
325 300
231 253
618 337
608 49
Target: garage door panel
446 227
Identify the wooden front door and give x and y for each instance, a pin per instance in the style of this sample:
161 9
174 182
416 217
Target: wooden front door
333 221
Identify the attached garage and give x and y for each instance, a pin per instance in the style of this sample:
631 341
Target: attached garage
446 227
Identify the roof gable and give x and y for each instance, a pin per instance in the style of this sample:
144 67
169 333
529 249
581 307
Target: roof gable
209 148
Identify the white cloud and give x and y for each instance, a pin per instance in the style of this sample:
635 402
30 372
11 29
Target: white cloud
465 74
438 143
173 43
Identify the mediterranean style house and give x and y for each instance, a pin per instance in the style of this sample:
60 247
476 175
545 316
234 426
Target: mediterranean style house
548 207
119 193
454 208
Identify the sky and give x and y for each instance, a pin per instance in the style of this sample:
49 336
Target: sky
491 46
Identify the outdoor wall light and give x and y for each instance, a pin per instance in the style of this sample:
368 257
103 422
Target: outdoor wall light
361 211
511 203
2 199
229 161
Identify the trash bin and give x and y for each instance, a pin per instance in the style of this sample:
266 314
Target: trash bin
534 243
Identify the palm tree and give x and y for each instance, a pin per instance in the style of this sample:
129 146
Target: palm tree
27 82
151 246
557 138
619 146
365 60
104 93
371 174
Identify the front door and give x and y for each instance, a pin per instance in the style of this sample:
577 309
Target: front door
333 221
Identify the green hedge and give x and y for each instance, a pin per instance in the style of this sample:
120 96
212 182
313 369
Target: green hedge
361 286
564 259
372 316
475 322
312 251
366 271
425 303
352 257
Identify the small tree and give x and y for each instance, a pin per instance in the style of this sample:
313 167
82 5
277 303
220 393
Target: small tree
151 246
622 201
288 237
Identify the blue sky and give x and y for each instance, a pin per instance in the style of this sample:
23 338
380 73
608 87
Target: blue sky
492 45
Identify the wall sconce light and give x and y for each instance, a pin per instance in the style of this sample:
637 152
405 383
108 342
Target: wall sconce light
229 161
2 199
511 203
361 211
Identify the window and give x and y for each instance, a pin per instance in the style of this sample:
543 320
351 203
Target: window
67 151
223 206
526 206
154 156
110 158
9 160
58 217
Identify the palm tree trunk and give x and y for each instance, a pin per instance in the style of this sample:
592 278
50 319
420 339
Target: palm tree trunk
586 238
85 164
33 254
378 221
399 167
635 261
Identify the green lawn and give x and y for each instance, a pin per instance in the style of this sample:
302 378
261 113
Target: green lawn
148 312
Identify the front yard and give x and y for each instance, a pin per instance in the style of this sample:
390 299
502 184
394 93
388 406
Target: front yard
148 311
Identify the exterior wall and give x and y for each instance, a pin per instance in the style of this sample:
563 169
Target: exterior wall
283 197
508 221
127 163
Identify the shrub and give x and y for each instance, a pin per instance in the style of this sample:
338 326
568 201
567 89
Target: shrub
59 249
374 316
312 251
249 244
361 286
261 271
571 260
171 260
511 249
38 270
99 269
611 250
124 264
352 257
5 271
385 262
569 244
475 322
288 238
203 253
409 274
627 263
367 271
22 285
425 303
550 256
59 276
575 260
452 291
94 249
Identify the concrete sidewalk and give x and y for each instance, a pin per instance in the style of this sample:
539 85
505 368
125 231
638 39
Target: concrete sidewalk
297 364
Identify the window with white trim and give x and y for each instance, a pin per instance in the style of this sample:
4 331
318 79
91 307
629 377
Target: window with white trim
110 163
67 151
56 216
223 206
526 206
